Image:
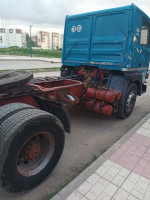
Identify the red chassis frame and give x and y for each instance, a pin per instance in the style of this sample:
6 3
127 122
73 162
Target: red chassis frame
65 91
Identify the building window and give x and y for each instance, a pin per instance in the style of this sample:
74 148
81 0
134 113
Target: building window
18 31
10 30
2 30
0 39
145 33
43 33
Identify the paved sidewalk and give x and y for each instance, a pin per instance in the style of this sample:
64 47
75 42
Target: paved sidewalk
122 173
28 58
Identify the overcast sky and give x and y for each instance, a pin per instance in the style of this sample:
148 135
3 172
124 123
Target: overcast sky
51 13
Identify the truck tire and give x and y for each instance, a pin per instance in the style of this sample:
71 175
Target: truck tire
14 78
31 144
126 108
9 109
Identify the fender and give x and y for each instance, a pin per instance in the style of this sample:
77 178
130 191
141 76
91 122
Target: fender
56 108
121 82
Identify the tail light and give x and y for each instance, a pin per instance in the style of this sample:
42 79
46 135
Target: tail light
147 75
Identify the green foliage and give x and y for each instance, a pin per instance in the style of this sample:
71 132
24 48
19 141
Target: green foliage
27 38
28 41
26 52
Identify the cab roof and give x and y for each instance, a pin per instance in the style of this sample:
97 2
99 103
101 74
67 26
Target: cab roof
132 6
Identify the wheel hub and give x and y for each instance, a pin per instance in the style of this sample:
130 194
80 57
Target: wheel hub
35 154
130 101
33 151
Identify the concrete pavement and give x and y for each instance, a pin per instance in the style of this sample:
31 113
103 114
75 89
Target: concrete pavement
22 64
44 74
25 62
122 173
25 58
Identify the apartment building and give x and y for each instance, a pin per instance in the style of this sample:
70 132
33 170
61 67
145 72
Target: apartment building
49 40
43 40
61 37
55 41
12 37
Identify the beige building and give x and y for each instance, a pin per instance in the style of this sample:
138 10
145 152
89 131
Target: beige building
55 41
43 40
48 40
12 37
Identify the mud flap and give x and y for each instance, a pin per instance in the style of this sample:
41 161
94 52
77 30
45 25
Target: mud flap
56 108
119 83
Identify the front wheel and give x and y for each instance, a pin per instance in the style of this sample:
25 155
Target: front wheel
126 108
31 143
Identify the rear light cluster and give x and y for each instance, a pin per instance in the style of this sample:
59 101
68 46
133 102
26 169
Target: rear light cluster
147 75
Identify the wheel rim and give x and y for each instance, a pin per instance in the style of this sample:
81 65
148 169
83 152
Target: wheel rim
130 101
35 154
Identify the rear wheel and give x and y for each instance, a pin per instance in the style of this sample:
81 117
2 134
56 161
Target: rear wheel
30 147
9 109
126 108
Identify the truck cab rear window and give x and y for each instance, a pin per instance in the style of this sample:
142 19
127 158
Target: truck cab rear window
145 33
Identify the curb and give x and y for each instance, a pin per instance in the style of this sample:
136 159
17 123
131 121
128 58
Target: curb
73 185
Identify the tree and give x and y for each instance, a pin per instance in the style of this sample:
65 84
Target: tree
28 41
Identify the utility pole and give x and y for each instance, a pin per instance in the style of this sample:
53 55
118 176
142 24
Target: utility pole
30 41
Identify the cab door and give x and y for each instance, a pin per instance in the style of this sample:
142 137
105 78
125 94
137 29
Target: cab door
141 45
145 43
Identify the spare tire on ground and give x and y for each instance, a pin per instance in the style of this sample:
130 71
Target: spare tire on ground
10 79
31 144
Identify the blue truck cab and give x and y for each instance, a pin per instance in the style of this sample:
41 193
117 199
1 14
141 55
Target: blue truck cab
117 40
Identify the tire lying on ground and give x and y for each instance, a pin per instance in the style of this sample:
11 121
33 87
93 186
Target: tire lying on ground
31 144
11 108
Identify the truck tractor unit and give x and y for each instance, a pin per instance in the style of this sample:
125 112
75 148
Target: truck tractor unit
105 63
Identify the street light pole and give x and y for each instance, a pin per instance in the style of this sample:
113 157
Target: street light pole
30 42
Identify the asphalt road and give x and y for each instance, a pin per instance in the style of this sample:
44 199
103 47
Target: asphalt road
91 134
17 64
44 74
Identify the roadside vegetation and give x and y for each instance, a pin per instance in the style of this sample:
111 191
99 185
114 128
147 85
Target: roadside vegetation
52 69
35 52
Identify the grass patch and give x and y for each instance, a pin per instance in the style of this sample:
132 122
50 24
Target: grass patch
43 69
80 170
49 196
26 52
37 69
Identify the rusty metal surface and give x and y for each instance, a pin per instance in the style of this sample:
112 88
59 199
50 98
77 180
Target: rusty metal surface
53 89
67 91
